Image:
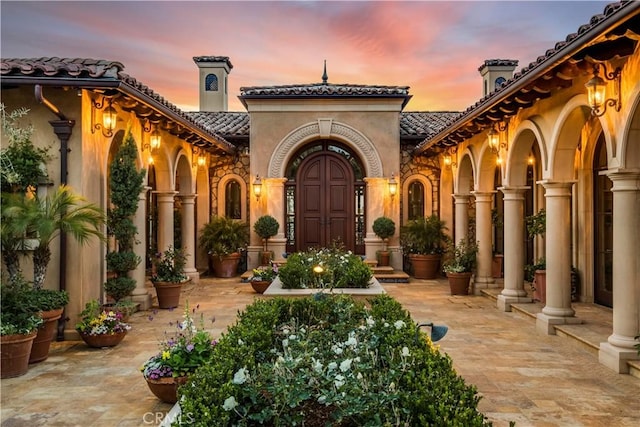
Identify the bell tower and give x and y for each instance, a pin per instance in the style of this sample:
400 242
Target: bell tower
214 71
494 72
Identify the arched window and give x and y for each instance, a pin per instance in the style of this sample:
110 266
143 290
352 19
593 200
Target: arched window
416 200
232 200
211 83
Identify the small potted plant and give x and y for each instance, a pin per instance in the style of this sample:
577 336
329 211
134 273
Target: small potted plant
18 328
223 238
262 277
100 328
169 276
179 356
425 239
266 227
384 228
459 263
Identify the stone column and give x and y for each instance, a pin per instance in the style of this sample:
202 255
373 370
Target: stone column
165 200
189 235
484 274
558 257
513 291
626 273
462 216
140 293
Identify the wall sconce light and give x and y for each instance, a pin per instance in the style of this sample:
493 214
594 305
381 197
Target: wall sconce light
199 157
257 187
448 156
154 139
530 160
109 117
596 91
393 186
494 137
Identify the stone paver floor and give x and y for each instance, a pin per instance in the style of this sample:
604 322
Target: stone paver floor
532 379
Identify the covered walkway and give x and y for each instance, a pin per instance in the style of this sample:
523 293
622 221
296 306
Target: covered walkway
534 380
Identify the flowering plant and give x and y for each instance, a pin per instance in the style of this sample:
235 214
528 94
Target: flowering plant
169 266
264 274
96 321
182 353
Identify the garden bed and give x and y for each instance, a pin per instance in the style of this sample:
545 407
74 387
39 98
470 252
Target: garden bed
276 289
327 360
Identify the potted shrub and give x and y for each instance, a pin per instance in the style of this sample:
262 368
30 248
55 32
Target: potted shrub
125 181
384 228
18 328
424 239
262 277
266 227
537 226
223 238
459 264
49 304
169 276
180 355
101 328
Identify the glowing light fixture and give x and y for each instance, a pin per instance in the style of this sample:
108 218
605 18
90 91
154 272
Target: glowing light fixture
257 187
109 117
597 90
393 186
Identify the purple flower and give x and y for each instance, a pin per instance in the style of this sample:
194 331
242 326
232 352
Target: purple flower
190 348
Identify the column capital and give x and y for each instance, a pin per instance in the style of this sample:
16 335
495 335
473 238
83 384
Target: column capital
483 196
628 180
558 188
461 197
514 190
188 198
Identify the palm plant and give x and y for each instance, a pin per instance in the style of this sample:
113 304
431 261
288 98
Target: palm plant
45 218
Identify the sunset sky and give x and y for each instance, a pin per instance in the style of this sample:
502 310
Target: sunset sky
433 47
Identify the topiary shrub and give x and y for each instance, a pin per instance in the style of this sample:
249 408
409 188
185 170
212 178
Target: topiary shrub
327 360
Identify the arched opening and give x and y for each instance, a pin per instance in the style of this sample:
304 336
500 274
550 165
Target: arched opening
325 198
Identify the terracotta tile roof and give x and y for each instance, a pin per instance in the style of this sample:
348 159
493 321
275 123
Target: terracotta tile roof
224 59
97 70
228 124
413 125
53 67
324 89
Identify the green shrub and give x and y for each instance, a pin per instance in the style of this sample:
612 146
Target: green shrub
325 268
328 360
119 287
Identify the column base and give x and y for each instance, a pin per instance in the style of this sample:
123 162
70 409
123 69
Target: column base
504 302
144 299
616 358
545 323
480 283
192 274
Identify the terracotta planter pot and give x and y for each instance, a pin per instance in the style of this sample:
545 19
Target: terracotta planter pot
459 283
105 340
46 332
166 389
168 293
15 351
384 258
260 286
226 266
540 285
425 266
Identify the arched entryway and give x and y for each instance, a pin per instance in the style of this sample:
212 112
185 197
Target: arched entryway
325 198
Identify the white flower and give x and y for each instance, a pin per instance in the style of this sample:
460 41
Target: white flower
392 386
285 342
285 331
240 342
336 349
317 365
359 376
293 337
332 365
399 324
345 365
386 325
230 403
339 381
322 400
357 359
370 321
405 351
241 376
351 342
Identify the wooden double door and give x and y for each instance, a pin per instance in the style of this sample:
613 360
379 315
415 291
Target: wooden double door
325 202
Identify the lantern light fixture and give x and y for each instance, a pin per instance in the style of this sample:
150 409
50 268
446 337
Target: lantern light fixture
597 90
393 186
257 187
199 157
109 117
154 138
448 156
493 137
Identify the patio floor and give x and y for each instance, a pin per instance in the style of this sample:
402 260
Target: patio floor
532 379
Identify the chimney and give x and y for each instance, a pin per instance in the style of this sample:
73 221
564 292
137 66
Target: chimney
494 72
214 71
